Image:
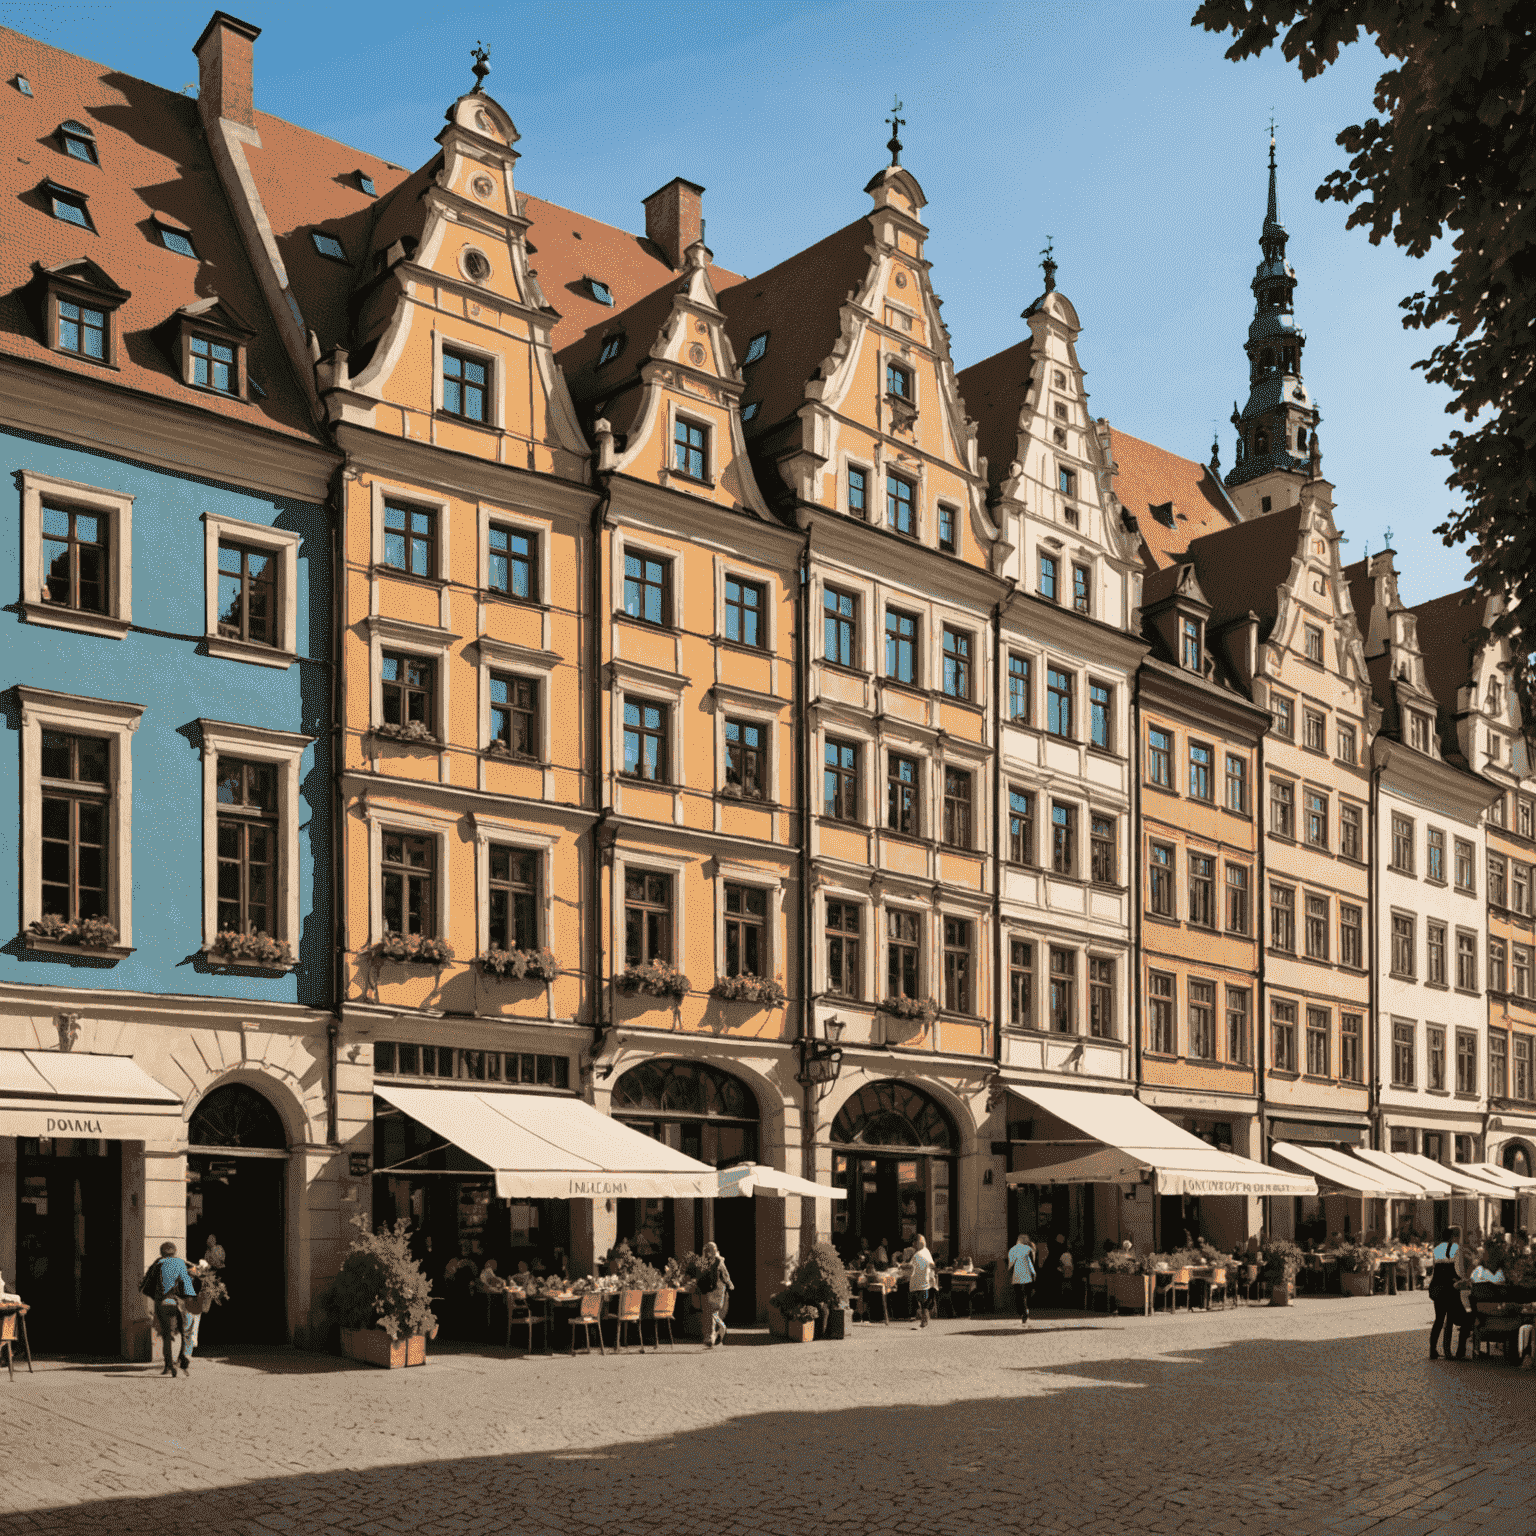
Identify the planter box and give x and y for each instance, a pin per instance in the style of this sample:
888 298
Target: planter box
1355 1283
784 1328
1280 1295
837 1325
372 1346
1131 1293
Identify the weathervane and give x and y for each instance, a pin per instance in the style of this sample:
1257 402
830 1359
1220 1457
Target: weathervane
1049 264
897 124
1388 536
482 67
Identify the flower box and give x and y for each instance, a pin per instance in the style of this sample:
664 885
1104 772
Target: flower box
654 979
762 990
84 933
416 732
1130 1293
1356 1282
519 964
373 1346
230 947
413 949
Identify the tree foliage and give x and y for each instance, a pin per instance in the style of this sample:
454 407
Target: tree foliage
1451 153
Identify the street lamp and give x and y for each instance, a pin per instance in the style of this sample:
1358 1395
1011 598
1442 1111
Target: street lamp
820 1061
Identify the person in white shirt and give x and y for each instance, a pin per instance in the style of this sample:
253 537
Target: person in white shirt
1021 1262
924 1281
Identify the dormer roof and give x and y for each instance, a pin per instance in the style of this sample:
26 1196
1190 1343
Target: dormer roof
1173 499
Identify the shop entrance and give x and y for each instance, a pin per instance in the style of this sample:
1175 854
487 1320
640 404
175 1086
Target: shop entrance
709 1115
237 1167
68 1230
893 1151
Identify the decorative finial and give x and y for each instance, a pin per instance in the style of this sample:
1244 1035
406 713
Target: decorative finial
897 124
1049 264
482 67
1315 464
1215 451
1388 537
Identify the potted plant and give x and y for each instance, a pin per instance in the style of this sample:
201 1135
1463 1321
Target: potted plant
763 990
1357 1265
408 730
231 947
906 1017
381 1299
1282 1260
656 978
519 964
1127 1281
820 1281
83 933
413 949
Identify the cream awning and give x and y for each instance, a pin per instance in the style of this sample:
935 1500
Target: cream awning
1459 1176
1344 1174
62 1093
1428 1185
1517 1183
1122 1139
545 1147
757 1179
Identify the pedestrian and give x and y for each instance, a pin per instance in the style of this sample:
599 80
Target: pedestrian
168 1284
1021 1263
715 1287
1065 1269
923 1286
1449 1267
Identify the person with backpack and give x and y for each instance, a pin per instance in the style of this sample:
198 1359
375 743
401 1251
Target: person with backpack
715 1289
168 1284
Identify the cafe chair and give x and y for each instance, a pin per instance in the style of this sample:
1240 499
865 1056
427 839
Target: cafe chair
629 1317
963 1288
1097 1285
14 1317
946 1297
529 1314
589 1316
1216 1287
875 1294
1250 1283
662 1310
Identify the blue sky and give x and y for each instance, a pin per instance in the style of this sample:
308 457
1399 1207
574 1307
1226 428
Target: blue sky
1117 128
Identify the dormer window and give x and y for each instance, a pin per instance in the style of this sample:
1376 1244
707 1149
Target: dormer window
174 239
749 412
328 245
79 142
22 84
213 348
1061 410
947 528
612 346
1314 643
80 310
213 364
756 348
1189 644
599 291
67 205
365 183
898 381
82 330
1418 731
1066 481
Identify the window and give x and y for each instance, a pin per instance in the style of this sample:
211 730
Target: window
1522 1066
1201 784
1351 939
957 965
746 930
690 448
1348 753
1418 731
1160 879
903 935
1063 838
841 613
1404 1053
1314 643
1317 819
1466 867
78 142
1520 971
1066 481
612 346
1237 899
1048 568
1466 962
1160 1000
1520 888
645 740
1282 808
898 380
1466 1061
213 365
841 781
1404 944
901 646
365 183
957 663
410 539
76 562
1350 843
1063 992
465 385
1104 865
1189 644
957 808
900 505
1525 819
1202 1021
1435 1057
515 714
1282 713
408 878
328 245
1082 589
1316 726
647 917
1497 977
1058 702
68 206
1283 1031
1237 784
756 348
1434 969
1350 1025
744 608
512 562
406 691
647 588
746 765
247 593
599 291
1434 862
1159 757
901 798
1237 1026
1019 689
513 907
1101 998
1317 927
82 330
1402 845
947 533
1282 917
76 826
1202 890
858 492
1101 715
1021 827
1021 984
1498 1064
845 971
1058 378
1498 881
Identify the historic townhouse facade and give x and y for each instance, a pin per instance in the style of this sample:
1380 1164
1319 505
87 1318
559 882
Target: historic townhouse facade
165 1039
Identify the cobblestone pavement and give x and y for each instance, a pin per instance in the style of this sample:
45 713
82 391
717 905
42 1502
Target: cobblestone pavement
1325 1418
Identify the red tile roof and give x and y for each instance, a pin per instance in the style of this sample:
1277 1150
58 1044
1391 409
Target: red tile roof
1242 566
993 391
1152 477
154 160
1445 627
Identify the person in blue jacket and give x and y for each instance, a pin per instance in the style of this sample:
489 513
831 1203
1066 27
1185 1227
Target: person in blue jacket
1021 1264
168 1283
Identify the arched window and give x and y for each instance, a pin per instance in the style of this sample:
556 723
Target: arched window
683 1088
1266 361
236 1116
1301 439
893 1115
1517 1159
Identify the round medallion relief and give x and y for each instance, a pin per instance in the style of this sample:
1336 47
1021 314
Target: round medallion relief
700 327
695 354
477 265
482 187
901 279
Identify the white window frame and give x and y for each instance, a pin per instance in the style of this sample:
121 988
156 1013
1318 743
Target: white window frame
385 818
979 1008
664 687
644 859
414 640
850 728
518 660
285 751
763 880
492 512
499 831
869 974
731 570
496 362
697 417
674 559
1120 1024
43 709
925 947
283 543
852 462
385 491
871 654
742 704
117 508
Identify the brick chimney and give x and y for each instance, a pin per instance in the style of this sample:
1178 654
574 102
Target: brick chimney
674 218
224 57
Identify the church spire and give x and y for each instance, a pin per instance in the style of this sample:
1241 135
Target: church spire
1272 217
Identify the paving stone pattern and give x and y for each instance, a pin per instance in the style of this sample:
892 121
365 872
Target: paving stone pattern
1326 1417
